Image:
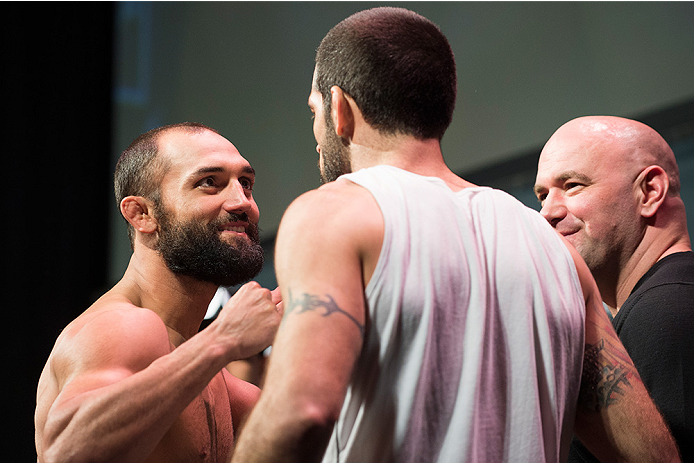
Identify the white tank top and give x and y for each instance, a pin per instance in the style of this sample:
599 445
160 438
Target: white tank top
475 331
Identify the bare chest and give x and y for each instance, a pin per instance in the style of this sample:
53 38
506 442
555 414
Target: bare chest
203 432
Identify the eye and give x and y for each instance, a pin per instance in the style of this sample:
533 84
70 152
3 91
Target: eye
572 185
246 183
540 193
207 182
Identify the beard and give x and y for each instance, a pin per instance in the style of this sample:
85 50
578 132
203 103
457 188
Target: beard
195 249
335 155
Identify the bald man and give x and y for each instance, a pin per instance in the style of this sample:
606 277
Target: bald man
611 187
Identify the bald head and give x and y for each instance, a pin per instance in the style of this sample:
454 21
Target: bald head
626 145
610 186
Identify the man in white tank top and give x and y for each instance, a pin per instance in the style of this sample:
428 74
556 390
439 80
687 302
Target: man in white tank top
428 319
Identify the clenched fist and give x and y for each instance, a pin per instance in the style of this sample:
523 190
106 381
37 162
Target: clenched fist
249 320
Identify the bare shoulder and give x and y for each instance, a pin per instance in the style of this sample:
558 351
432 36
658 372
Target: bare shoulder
111 333
341 194
340 206
110 341
336 223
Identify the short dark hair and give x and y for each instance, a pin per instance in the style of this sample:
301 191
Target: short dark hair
140 169
397 66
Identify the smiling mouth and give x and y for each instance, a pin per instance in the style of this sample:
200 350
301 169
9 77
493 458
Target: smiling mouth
568 234
233 224
233 228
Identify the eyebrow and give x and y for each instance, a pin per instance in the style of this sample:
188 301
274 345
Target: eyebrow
216 169
564 177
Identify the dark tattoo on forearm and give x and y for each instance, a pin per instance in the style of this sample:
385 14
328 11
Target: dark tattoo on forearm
603 382
311 303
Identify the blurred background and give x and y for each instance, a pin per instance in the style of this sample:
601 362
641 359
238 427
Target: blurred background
81 80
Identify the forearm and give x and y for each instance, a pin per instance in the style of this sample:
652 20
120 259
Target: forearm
627 432
125 420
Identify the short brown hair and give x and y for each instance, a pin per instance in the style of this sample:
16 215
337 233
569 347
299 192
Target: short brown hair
396 65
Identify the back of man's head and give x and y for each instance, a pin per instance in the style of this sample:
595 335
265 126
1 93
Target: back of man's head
396 65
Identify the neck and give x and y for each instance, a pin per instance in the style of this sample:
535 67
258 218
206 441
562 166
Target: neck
423 157
180 301
661 239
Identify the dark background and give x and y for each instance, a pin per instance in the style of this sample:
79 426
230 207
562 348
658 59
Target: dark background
56 86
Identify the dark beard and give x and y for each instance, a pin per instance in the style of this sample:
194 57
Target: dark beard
195 249
336 156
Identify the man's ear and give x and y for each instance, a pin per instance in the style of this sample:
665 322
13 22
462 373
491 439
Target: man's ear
342 109
653 184
138 212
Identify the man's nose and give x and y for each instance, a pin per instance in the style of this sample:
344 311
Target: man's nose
553 209
236 199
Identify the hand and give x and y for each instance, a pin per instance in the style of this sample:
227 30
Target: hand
277 299
249 320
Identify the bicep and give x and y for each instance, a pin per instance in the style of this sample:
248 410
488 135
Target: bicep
320 272
317 344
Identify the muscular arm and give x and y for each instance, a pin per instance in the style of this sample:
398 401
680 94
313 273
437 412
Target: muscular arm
120 386
615 419
319 258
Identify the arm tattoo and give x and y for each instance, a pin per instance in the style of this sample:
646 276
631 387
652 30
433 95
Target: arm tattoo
311 302
603 382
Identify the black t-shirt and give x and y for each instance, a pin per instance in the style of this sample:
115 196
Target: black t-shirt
656 326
